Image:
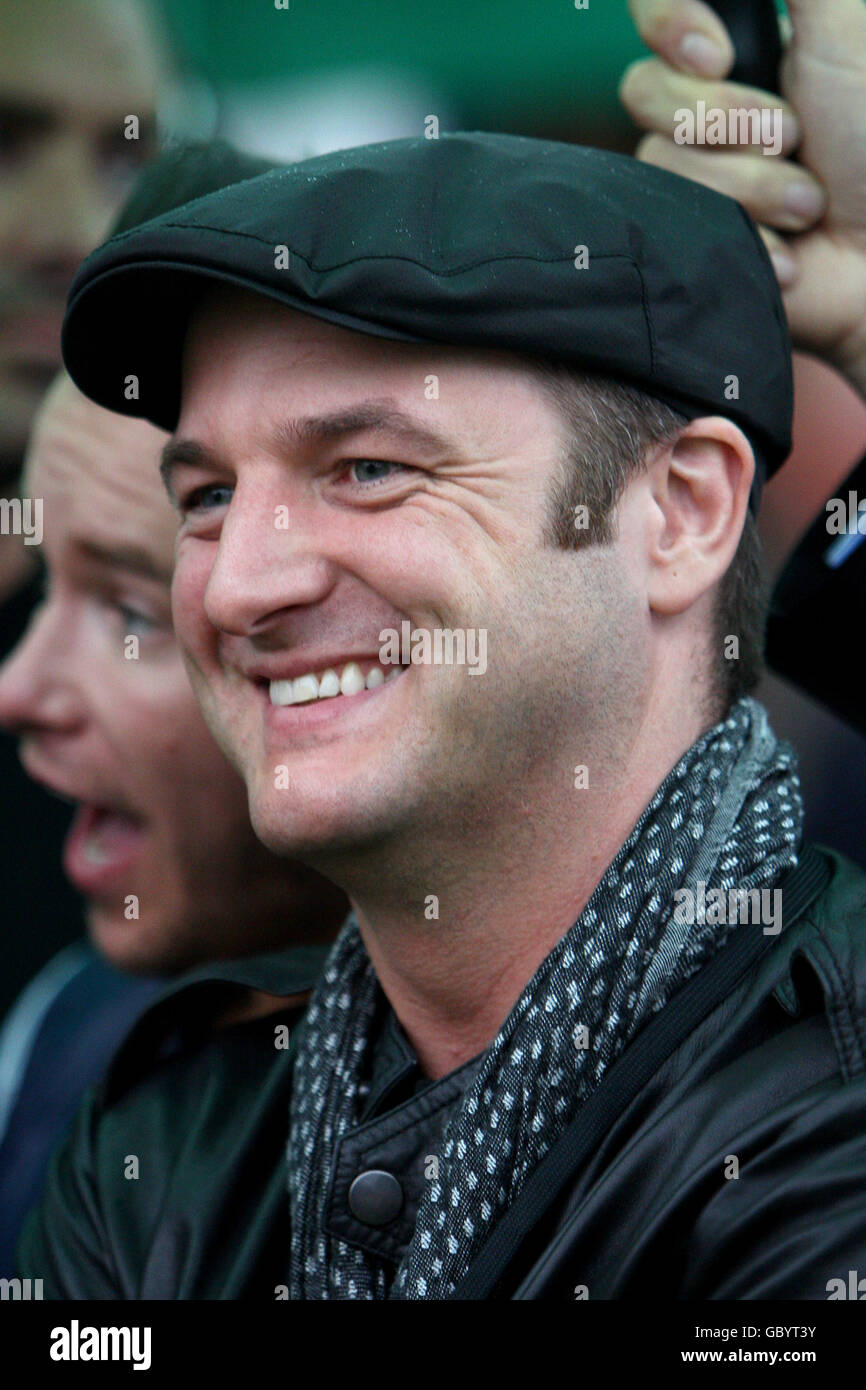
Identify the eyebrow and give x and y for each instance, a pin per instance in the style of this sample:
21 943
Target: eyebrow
309 430
38 117
128 557
26 111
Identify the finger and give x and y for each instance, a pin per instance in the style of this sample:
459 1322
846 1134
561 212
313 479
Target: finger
823 25
774 191
784 258
654 97
686 33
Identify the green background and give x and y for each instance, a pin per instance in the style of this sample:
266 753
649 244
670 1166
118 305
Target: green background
540 66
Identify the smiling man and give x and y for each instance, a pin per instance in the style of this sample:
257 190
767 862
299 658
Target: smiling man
489 383
436 513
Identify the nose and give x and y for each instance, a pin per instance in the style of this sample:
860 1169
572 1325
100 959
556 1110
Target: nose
36 692
270 559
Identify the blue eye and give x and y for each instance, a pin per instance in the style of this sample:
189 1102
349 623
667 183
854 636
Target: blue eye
372 470
208 496
135 623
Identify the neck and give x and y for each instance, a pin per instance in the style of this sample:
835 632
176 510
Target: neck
470 913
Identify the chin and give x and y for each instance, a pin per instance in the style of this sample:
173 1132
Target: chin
282 835
135 948
319 833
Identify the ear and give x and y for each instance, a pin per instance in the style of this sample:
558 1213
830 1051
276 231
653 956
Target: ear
697 495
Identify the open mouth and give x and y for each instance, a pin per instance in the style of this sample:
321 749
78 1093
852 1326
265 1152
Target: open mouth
101 846
331 683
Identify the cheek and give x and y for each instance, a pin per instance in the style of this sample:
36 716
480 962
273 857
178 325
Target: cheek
200 794
427 564
182 765
192 569
110 682
154 713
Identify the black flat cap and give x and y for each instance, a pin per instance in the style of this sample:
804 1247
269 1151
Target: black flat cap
491 241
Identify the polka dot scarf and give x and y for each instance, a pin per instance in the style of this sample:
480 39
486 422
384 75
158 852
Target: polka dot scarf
728 815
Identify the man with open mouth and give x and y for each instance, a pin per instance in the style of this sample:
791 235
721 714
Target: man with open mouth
160 845
493 383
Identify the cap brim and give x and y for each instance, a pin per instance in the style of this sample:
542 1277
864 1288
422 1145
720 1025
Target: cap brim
127 341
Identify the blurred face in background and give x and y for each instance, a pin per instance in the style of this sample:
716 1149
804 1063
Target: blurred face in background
71 71
161 845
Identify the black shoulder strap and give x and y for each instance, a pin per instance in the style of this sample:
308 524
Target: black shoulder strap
628 1075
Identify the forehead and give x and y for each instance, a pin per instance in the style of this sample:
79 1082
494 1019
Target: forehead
81 57
98 476
246 354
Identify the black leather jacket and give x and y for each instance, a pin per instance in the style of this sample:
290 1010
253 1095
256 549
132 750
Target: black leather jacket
723 1156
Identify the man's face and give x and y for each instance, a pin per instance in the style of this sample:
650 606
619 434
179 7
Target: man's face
98 690
307 528
70 72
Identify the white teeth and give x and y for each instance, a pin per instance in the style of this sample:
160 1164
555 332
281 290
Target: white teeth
282 692
352 681
329 685
94 852
305 688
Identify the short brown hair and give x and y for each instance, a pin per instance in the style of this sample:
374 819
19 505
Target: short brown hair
612 426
